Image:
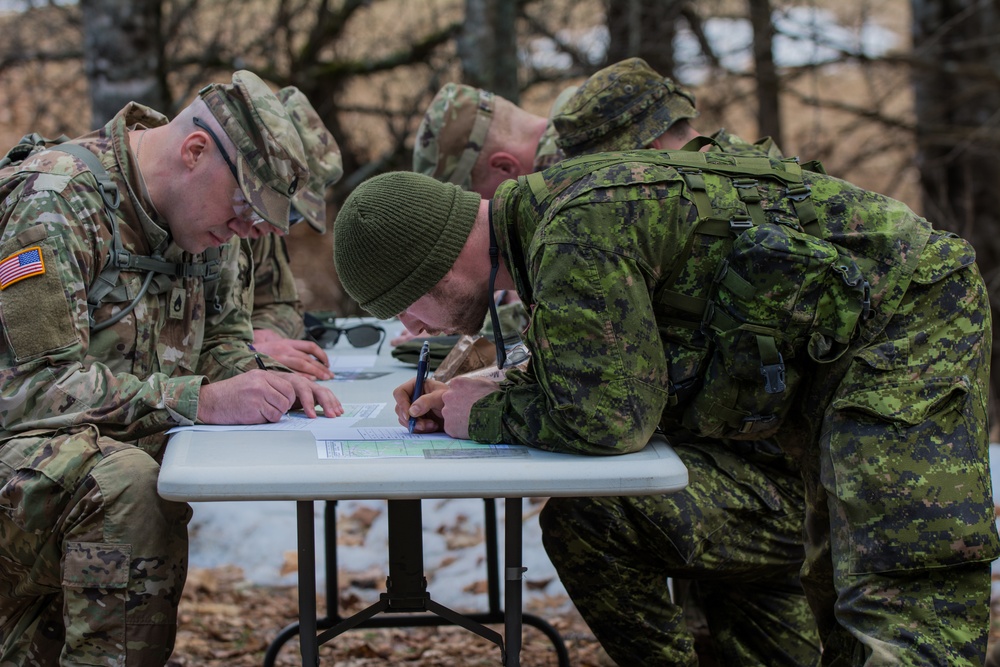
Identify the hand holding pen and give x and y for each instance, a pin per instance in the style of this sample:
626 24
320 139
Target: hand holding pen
260 362
418 387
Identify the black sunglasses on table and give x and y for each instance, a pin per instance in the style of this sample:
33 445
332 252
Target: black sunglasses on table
325 333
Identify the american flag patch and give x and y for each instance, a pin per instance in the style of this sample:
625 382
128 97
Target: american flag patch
21 265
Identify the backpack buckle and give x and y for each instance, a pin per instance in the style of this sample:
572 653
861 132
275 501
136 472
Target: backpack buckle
799 192
740 223
774 376
755 423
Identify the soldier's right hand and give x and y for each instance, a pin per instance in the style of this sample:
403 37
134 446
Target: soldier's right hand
259 397
427 408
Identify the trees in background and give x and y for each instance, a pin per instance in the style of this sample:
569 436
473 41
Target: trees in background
835 81
956 84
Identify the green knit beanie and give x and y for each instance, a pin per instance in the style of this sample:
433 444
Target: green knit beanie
397 235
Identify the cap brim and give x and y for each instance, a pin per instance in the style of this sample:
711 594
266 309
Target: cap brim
268 203
312 208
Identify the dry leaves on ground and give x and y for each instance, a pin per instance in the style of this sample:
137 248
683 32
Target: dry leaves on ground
227 622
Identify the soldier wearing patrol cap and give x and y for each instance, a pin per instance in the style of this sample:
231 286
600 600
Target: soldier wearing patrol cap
476 139
109 248
277 310
628 106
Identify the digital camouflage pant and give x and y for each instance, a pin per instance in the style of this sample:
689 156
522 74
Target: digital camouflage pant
900 527
92 560
900 518
735 530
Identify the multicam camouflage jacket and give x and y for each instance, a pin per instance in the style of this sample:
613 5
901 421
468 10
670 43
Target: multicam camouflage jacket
276 303
619 258
140 376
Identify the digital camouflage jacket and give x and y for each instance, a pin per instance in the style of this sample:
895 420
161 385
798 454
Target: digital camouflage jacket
608 254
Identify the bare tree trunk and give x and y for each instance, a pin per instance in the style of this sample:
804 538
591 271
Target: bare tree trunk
957 100
644 29
123 55
487 46
768 111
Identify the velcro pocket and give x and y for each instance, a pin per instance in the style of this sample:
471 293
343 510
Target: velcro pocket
96 565
907 469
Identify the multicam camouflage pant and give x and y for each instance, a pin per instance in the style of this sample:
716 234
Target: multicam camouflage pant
736 530
900 518
92 560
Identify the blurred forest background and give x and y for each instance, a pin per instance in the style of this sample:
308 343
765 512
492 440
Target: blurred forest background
900 96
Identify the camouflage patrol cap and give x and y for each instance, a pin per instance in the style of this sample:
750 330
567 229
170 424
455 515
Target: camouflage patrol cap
322 156
269 155
452 133
621 107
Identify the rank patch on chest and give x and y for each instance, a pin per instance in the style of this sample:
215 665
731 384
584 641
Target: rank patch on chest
178 298
21 265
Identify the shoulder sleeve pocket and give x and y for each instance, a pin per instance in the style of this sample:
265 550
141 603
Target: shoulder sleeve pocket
34 301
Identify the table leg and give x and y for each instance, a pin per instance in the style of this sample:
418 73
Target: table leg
512 586
308 642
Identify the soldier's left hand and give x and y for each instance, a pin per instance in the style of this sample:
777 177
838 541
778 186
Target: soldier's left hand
309 395
302 356
458 401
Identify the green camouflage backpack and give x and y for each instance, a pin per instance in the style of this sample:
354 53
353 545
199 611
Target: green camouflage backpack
106 288
782 297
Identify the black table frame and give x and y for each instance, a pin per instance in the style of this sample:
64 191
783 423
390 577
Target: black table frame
406 586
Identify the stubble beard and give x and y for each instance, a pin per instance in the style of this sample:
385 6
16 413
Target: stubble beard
467 309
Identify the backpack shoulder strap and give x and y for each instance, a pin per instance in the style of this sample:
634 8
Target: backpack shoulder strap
108 278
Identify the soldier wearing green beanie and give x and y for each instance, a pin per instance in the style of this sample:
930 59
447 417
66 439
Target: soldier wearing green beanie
626 106
735 302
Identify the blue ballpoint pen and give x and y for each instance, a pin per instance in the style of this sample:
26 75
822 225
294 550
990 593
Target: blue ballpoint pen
418 386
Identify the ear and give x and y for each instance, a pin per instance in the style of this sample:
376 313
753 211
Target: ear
656 144
193 148
505 164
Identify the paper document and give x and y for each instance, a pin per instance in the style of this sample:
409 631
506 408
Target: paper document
297 421
429 448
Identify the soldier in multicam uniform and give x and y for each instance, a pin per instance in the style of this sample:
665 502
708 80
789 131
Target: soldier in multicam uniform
741 298
749 488
92 560
476 139
277 310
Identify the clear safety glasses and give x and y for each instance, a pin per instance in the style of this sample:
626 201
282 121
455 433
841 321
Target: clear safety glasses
241 207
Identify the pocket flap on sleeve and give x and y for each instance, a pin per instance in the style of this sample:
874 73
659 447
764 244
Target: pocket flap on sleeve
96 565
911 403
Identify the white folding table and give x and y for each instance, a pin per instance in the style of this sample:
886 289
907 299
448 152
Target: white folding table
285 465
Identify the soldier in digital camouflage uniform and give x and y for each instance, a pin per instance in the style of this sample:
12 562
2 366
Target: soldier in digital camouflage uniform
751 598
277 310
628 105
92 561
741 298
476 139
